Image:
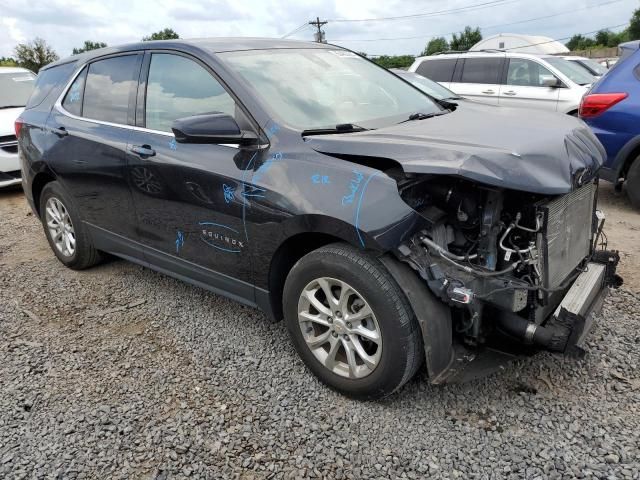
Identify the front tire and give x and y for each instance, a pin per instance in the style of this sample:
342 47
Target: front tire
633 183
350 322
65 232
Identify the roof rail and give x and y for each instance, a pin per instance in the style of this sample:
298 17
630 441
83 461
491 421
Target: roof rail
486 50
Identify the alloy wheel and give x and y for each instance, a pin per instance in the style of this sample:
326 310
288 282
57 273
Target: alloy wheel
339 327
60 227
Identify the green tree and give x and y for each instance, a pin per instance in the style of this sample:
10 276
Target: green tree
580 42
604 38
89 45
8 62
166 34
466 39
394 61
435 45
634 26
35 54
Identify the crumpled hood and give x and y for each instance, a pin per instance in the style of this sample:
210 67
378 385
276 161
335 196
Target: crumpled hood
528 150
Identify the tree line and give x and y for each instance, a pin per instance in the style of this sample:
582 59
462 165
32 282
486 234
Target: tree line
36 54
470 36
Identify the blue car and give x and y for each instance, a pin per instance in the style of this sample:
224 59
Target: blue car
612 110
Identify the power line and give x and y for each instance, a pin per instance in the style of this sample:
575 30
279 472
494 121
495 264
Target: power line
476 6
296 30
482 28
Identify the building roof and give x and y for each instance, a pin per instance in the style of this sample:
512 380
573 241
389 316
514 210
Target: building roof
517 42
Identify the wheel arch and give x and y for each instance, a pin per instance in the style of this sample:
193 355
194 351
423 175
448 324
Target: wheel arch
37 185
285 257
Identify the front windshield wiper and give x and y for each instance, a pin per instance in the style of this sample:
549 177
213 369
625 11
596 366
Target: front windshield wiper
10 106
340 128
424 116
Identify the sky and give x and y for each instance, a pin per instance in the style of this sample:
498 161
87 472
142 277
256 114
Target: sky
65 24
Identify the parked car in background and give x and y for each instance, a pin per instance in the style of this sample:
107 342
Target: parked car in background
510 79
306 180
16 85
594 68
612 109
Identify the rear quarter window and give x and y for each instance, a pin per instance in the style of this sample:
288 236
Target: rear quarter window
49 84
636 71
438 70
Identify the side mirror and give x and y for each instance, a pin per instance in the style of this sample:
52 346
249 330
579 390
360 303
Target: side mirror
551 82
213 128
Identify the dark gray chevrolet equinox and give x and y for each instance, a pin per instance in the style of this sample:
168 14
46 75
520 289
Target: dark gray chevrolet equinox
386 227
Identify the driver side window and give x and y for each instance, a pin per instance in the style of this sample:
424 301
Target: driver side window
527 73
178 87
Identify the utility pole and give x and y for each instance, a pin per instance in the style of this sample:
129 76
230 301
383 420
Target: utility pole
320 38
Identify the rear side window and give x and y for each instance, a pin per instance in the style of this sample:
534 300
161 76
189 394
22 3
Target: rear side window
109 85
72 102
438 70
178 87
637 72
45 83
481 70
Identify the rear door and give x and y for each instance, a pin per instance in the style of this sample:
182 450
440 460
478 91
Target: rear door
92 124
188 196
478 78
523 86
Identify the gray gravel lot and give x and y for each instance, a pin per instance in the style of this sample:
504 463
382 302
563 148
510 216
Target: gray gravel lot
120 372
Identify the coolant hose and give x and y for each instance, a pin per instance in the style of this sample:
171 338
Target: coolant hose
553 338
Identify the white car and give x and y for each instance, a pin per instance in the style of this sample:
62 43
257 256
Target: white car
16 85
510 79
593 67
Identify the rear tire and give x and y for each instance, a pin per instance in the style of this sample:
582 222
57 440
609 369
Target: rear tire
67 235
633 183
369 343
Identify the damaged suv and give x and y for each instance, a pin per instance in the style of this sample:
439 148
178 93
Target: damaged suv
388 229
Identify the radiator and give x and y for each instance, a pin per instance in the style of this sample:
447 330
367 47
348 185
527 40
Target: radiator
568 233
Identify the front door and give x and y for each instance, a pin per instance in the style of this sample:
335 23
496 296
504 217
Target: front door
91 131
188 196
524 86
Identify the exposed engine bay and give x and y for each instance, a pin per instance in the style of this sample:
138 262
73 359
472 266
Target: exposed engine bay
505 260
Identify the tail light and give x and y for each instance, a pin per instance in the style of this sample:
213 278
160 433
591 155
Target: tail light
594 104
18 126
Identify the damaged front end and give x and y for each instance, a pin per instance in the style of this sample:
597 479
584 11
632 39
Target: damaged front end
520 271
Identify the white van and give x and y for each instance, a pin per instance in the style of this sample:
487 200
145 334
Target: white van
510 79
16 85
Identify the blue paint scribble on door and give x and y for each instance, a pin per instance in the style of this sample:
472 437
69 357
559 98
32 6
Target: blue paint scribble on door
179 241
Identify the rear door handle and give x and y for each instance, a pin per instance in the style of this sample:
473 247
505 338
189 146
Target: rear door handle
143 151
510 93
488 92
61 132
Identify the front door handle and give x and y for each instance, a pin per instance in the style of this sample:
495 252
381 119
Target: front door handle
510 93
488 92
61 132
143 151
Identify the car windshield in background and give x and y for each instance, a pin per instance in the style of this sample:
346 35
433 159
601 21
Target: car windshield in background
594 66
15 88
576 73
321 88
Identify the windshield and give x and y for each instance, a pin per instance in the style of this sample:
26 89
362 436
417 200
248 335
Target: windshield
321 88
576 73
593 66
15 88
429 87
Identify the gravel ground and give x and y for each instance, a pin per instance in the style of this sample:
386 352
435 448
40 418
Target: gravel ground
120 372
